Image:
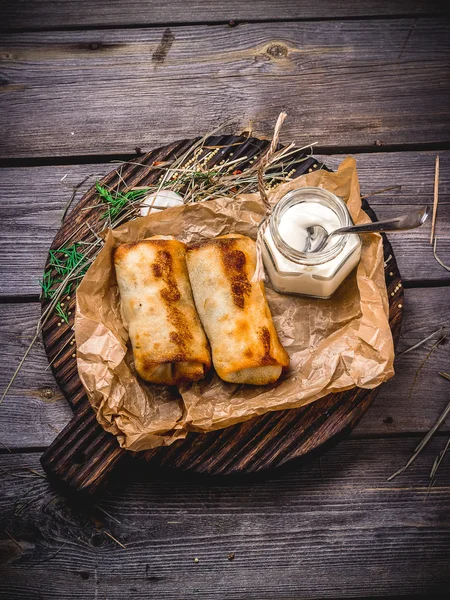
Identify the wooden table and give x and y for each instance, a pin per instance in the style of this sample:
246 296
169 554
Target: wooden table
84 83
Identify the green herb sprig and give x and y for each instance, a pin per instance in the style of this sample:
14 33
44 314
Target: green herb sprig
117 200
64 262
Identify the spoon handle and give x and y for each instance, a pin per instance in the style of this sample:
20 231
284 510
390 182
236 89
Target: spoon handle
403 223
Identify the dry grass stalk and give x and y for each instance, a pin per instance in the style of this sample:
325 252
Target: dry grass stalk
437 257
258 275
436 198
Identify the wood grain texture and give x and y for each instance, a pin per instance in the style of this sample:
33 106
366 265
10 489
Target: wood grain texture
44 14
331 529
342 83
36 411
83 455
32 200
275 49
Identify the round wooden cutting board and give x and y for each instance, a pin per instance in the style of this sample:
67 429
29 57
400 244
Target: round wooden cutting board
83 454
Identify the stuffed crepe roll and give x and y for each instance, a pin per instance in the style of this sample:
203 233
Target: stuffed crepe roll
169 344
234 311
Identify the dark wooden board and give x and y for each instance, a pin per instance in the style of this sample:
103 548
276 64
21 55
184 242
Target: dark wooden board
35 410
33 200
83 454
43 14
359 83
335 528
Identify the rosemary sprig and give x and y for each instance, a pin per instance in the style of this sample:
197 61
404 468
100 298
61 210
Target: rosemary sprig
118 200
46 284
62 261
60 312
87 257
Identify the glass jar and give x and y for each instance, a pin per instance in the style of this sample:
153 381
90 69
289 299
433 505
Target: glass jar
316 274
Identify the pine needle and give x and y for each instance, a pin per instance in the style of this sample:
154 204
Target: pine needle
60 351
4 445
52 556
444 375
424 362
114 539
423 442
107 514
42 475
388 189
438 460
14 540
438 331
75 189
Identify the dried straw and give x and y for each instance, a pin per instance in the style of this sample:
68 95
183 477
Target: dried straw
436 198
446 267
258 275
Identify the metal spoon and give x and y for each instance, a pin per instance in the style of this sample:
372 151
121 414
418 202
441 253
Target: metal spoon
318 236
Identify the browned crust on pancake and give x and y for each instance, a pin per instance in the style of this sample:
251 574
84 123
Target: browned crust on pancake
228 240
123 249
235 266
264 337
253 330
234 262
163 268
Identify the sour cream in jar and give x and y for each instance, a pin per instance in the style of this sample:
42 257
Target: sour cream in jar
317 274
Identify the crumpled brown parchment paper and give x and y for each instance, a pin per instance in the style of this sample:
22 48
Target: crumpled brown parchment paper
334 344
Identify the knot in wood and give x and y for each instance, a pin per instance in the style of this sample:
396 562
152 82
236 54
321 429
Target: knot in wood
277 51
94 46
46 393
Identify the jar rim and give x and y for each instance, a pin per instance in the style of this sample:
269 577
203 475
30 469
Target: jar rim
304 194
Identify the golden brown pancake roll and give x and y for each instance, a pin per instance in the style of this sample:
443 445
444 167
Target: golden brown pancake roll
234 311
169 344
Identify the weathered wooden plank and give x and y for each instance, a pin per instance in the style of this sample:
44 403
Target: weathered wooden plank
417 395
44 14
276 49
35 410
329 530
351 83
413 171
32 201
31 208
